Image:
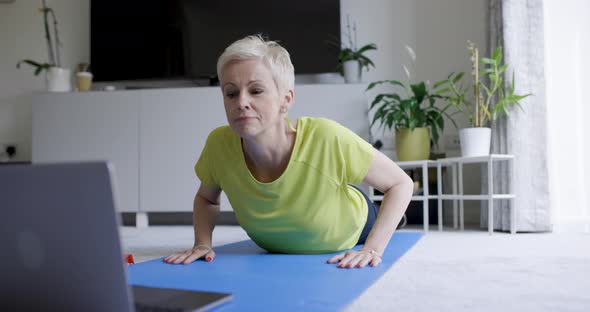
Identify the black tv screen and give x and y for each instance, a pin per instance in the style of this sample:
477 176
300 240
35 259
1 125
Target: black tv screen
182 39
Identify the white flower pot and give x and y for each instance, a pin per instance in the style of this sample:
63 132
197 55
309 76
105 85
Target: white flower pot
59 80
475 141
352 71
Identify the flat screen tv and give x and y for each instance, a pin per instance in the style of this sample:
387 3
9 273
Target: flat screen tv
182 39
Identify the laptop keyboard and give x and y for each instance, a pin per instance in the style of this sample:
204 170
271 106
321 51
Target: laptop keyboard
150 308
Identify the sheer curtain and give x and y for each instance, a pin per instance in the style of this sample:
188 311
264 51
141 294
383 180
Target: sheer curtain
517 26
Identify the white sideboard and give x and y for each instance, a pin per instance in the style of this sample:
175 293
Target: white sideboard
93 126
154 136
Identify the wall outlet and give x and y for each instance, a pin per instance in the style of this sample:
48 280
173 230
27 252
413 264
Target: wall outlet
452 143
7 151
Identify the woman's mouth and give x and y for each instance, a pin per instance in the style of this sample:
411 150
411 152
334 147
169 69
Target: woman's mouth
243 118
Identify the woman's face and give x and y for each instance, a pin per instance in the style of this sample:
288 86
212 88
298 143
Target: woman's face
251 98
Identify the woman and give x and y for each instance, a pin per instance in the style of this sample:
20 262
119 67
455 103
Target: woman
290 185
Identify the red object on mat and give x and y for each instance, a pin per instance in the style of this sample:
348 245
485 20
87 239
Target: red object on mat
129 259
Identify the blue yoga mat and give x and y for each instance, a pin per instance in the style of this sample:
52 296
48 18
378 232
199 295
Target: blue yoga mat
260 281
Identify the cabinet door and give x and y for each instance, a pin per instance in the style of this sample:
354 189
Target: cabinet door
91 126
174 125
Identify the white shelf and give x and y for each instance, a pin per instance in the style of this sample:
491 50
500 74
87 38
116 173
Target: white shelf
475 159
424 165
475 197
456 164
422 197
416 164
415 197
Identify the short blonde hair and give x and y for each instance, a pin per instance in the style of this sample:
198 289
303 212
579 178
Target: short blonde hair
271 53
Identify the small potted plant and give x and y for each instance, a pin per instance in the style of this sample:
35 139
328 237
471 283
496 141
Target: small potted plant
414 116
352 60
57 78
490 100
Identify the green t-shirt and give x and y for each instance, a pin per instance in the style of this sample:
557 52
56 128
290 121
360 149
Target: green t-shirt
310 208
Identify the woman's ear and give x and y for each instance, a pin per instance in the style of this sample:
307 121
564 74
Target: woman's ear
289 98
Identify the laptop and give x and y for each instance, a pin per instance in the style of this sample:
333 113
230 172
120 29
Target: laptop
60 248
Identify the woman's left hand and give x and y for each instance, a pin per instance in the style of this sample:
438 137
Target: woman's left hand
357 258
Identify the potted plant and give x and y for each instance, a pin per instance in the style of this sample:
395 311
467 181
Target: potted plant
353 60
414 116
490 100
57 78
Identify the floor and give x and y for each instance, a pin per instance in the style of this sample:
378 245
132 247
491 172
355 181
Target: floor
444 271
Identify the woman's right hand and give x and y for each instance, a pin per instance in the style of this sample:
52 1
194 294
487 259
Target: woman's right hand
190 255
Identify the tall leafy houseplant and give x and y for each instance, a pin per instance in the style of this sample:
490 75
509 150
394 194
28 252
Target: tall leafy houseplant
494 90
413 114
352 60
57 78
492 97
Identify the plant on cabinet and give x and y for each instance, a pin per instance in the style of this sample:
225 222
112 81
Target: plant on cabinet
57 78
352 60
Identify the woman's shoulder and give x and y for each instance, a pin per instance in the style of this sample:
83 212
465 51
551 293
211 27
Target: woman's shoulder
319 124
221 133
221 138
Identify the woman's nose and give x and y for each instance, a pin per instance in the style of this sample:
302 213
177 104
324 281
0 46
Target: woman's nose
244 101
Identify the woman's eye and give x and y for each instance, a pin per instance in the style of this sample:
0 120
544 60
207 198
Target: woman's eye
257 91
231 95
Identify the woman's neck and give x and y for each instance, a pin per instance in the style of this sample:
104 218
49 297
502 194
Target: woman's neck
268 154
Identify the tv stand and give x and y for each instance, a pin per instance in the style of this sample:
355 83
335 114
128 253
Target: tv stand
300 79
154 137
139 87
151 84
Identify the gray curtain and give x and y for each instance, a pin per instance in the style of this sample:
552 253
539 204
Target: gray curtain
517 26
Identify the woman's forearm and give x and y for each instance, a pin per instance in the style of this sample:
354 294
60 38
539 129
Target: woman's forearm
204 217
393 206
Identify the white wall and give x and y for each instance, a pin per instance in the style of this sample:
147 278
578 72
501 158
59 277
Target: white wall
437 30
567 30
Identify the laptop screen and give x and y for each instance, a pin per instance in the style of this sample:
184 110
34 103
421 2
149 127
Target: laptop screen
59 224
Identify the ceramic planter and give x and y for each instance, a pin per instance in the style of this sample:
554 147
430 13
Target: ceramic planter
412 144
475 141
58 80
352 71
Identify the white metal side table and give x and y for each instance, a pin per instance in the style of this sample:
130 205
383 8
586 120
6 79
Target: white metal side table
457 177
424 165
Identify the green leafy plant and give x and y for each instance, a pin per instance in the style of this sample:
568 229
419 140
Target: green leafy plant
53 43
491 98
414 109
350 52
455 93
